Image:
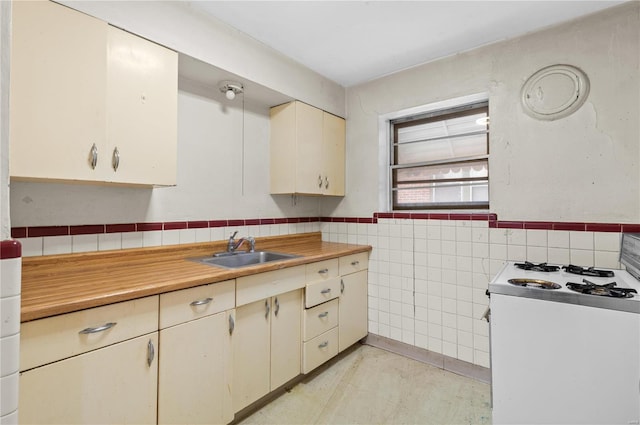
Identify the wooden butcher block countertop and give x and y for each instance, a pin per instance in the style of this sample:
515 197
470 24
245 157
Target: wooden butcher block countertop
59 284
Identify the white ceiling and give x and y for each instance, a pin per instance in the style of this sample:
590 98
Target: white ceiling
351 42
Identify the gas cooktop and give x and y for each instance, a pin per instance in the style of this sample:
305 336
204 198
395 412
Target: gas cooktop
583 285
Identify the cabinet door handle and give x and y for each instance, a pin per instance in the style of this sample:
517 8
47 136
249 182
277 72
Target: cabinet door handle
151 352
98 328
341 286
326 182
323 271
201 302
323 315
355 263
324 344
115 161
319 181
232 324
277 307
325 291
94 156
267 308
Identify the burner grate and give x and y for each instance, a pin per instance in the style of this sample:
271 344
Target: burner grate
542 267
606 290
588 271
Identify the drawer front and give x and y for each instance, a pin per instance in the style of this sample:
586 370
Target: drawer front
354 263
322 291
319 350
58 337
319 319
189 304
264 285
322 270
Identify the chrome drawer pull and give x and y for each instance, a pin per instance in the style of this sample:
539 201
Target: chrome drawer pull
267 308
98 328
115 160
323 271
232 325
322 315
201 302
94 157
324 344
355 263
151 353
325 291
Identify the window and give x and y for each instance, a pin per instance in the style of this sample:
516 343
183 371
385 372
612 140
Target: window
440 159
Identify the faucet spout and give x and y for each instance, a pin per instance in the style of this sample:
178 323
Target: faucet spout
233 245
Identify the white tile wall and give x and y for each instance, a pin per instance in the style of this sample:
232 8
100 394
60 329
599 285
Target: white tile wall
10 271
427 285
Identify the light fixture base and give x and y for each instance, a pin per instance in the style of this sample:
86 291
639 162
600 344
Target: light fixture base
231 88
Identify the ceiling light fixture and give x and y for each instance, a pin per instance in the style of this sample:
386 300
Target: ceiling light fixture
231 89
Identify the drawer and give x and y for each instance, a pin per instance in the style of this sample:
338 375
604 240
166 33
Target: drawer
322 291
189 304
320 319
264 285
319 350
54 338
354 263
322 270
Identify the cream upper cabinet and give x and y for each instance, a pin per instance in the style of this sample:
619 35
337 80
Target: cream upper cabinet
89 102
307 151
58 97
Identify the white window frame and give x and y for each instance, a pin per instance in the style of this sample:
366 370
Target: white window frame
384 140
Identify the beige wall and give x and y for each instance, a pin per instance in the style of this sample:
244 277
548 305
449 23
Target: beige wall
539 170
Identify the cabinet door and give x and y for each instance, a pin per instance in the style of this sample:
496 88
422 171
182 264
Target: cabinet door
333 145
251 347
193 358
309 168
353 309
115 384
58 78
286 331
142 90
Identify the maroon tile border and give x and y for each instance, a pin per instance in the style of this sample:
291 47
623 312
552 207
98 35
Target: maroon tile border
175 225
90 229
492 219
120 228
10 249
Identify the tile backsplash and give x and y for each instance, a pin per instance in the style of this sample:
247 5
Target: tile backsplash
428 273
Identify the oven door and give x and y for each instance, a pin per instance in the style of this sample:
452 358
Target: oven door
563 363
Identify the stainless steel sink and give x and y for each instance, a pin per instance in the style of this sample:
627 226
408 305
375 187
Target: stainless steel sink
244 259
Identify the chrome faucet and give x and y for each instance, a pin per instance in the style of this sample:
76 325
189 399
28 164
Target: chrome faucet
233 245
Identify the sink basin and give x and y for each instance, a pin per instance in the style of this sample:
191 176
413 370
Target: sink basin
245 259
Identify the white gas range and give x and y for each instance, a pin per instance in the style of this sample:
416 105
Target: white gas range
563 356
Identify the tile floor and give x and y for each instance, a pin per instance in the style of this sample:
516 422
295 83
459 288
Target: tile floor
373 386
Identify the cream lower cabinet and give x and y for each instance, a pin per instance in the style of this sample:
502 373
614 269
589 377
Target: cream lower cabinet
94 366
195 355
353 305
266 346
353 309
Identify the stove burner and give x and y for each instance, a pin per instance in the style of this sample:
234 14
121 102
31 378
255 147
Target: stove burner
606 290
590 271
542 267
534 283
